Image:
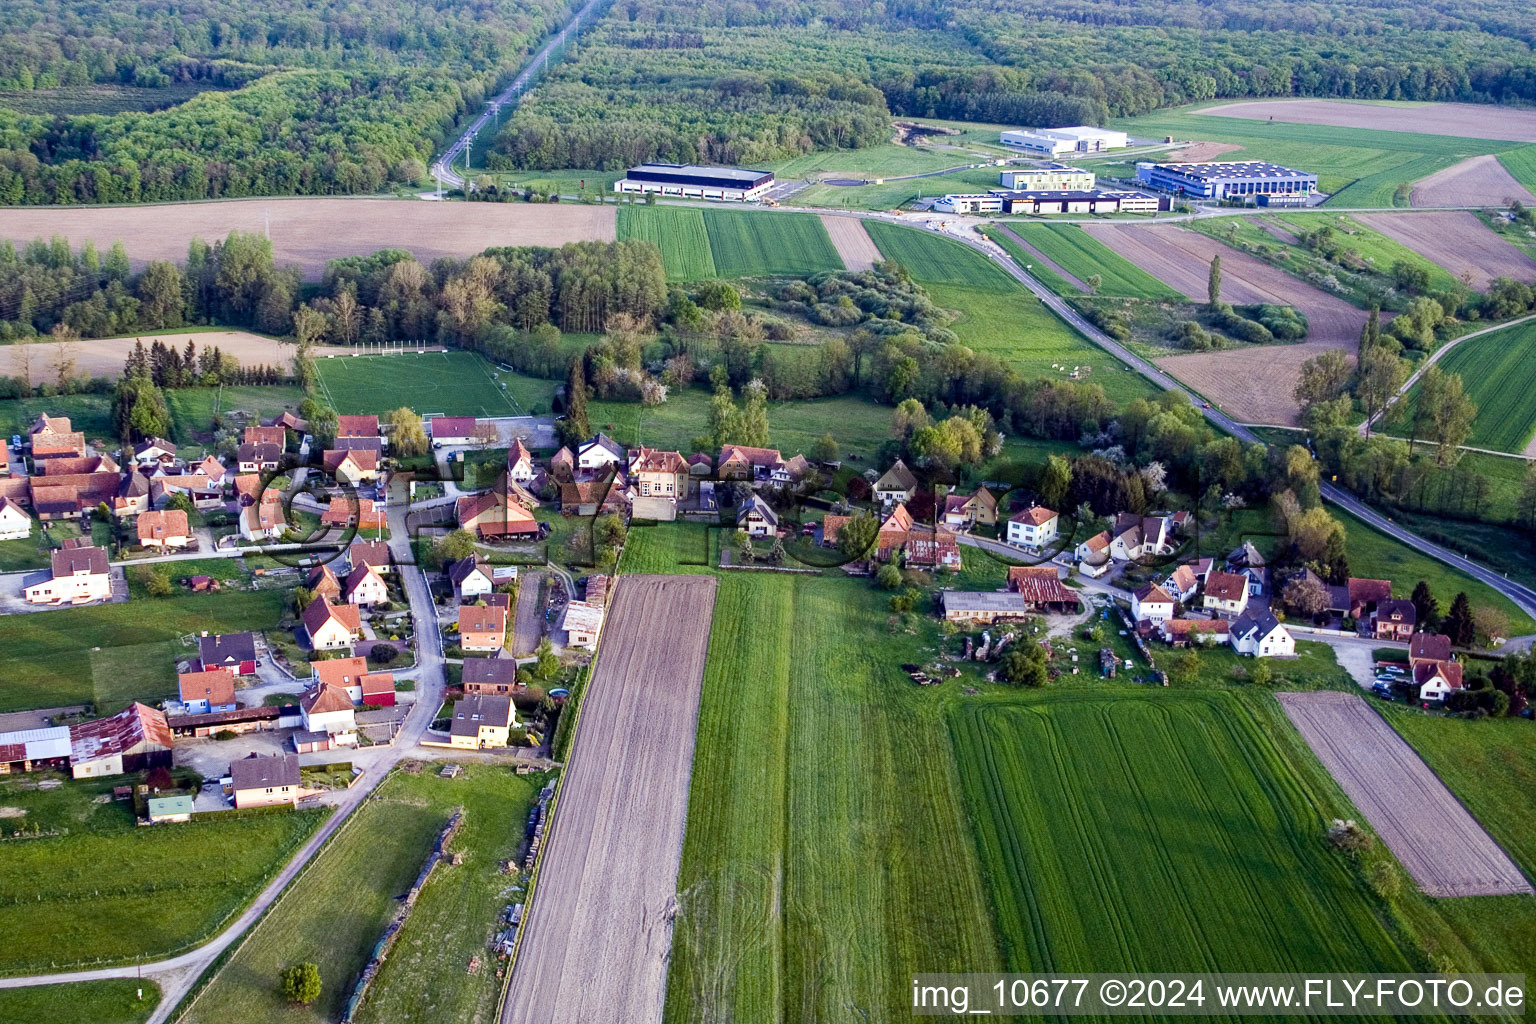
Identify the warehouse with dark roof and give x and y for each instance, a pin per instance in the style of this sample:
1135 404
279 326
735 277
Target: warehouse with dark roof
1230 179
695 182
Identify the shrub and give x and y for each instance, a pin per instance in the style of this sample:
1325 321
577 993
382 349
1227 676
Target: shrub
301 983
384 653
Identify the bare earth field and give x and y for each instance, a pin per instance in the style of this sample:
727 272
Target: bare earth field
310 231
104 357
1200 152
1432 835
1457 241
1478 180
1464 120
1252 384
851 241
597 939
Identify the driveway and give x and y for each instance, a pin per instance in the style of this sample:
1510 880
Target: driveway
528 627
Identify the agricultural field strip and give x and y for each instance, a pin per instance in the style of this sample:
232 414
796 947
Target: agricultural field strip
1500 377
853 244
1458 120
1082 255
1432 835
597 939
1457 241
1013 238
678 231
748 243
1477 179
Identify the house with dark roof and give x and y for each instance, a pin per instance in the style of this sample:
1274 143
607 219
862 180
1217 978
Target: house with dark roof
76 575
1429 647
1259 633
599 452
490 676
896 485
258 458
757 518
470 578
265 781
331 627
154 451
369 552
1365 595
481 721
233 651
1394 619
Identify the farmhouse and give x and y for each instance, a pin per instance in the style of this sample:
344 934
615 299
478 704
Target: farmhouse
14 522
480 721
984 607
207 690
582 622
76 575
754 465
133 740
482 628
353 467
452 430
897 484
900 540
132 495
1033 528
345 510
233 651
1260 634
53 437
1046 179
470 579
1437 680
1151 602
732 184
331 627
322 583
1042 589
326 712
962 511
201 491
265 781
490 675
1226 594
757 518
1056 141
1183 632
590 497
1365 595
1230 179
164 530
275 434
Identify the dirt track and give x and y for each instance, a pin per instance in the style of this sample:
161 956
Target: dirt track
1432 835
310 231
852 242
104 357
597 939
1457 241
1478 180
1464 120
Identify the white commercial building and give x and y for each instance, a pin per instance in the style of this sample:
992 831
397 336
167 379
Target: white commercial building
1056 141
1047 179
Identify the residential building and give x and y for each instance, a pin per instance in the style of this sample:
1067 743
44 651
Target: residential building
481 721
979 509
1427 647
258 458
207 690
263 520
1365 595
352 467
76 575
1226 179
369 552
135 739
346 674
597 453
728 184
163 810
1259 633
132 496
365 587
1437 680
451 430
900 540
15 523
1395 619
754 465
1184 632
659 474
378 690
562 464
345 510
326 712
984 607
1093 553
757 518
1033 528
1183 584
470 578
358 426
490 675
321 582
54 437
205 494
233 651
482 628
520 465
896 485
331 627
581 622
275 434
266 781
155 451
498 513
164 530
1151 602
1226 594
1042 589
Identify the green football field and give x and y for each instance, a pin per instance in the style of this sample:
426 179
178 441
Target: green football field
449 383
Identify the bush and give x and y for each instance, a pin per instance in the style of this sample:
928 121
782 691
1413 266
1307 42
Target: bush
301 983
384 654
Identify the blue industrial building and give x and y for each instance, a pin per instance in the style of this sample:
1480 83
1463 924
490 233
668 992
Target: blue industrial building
1239 180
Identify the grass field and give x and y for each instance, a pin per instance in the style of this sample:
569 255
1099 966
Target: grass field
1500 377
893 195
934 259
100 1002
1357 167
454 383
338 909
1034 266
1082 256
1521 164
678 231
747 244
193 409
1375 248
1104 824
109 892
89 414
46 659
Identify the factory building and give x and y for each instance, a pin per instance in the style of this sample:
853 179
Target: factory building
1232 179
732 184
971 202
1047 179
1056 141
1049 201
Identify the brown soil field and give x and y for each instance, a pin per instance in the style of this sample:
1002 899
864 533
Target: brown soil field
1463 120
597 938
104 357
1457 241
308 232
1432 835
1476 181
1200 152
1252 384
851 242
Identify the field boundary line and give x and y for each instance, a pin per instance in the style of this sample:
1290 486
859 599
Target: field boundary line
1433 359
496 385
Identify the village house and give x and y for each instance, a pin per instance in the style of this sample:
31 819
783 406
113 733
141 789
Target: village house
345 510
757 518
321 582
581 622
451 430
896 485
331 627
164 530
135 739
1042 589
326 712
755 465
15 523
490 675
1259 633
1437 680
482 628
470 579
983 607
274 434
520 465
290 421
352 467
591 497
365 587
76 574
233 651
359 427
481 721
497 513
963 511
1184 632
378 690
205 494
598 453
1394 619
562 464
659 474
265 781
263 520
1365 595
1429 647
1151 602
165 810
346 674
374 553
207 690
1226 594
1033 528
54 437
1093 558
258 458
154 451
900 540
1182 583
132 496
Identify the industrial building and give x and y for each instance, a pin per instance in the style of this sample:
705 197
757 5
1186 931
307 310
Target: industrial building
732 184
1056 141
1051 201
1231 179
1046 179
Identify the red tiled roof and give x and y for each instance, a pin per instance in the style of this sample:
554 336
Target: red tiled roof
162 526
320 611
265 435
769 457
1365 591
341 671
1450 671
489 619
451 426
323 698
1429 647
363 459
216 685
1039 515
1225 586
357 426
378 682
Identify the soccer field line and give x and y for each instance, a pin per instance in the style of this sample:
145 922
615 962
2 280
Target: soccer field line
517 410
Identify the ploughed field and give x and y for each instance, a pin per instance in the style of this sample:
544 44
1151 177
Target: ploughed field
1464 120
1457 241
851 241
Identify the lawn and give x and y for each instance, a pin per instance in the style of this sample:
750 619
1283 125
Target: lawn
193 409
450 383
678 231
1082 255
340 906
46 658
757 244
143 672
1106 824
872 162
100 1002
89 414
1522 164
1500 377
116 893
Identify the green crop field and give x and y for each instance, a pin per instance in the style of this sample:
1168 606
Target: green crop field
1500 377
1106 824
1082 255
1522 164
101 1002
755 244
108 892
933 259
678 231
1375 248
1034 266
340 906
452 383
1358 167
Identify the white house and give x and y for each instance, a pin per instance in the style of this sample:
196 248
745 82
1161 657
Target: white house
757 518
1183 583
331 626
1261 635
76 575
327 713
599 452
896 485
14 521
452 430
520 465
471 579
364 586
1151 602
1437 680
1033 528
